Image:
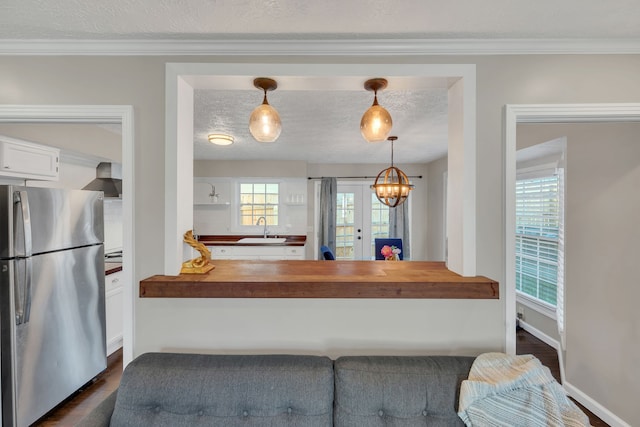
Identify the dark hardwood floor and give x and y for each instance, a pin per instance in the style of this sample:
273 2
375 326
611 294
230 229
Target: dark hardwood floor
72 410
528 344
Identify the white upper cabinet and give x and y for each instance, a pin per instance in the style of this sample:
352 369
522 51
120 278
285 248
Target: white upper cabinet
21 159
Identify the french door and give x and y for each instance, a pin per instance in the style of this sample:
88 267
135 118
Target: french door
360 218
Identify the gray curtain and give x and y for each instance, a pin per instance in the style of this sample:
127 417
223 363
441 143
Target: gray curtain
399 227
328 200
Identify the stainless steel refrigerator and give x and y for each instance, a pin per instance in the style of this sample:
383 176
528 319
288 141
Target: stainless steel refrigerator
52 315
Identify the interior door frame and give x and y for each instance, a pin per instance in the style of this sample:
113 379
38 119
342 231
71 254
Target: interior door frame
541 113
365 212
117 114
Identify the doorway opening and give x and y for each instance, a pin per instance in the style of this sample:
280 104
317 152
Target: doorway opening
600 216
360 219
102 114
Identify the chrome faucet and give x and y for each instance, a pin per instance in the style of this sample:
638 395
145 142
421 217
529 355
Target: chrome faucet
264 232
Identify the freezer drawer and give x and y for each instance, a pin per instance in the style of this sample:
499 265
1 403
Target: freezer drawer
48 219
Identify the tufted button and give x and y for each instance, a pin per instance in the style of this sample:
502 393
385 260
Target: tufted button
200 413
157 409
245 413
289 410
380 412
424 412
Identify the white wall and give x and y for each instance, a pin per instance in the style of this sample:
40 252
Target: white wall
602 208
435 216
90 140
222 218
75 174
332 327
219 219
602 241
72 175
140 81
113 229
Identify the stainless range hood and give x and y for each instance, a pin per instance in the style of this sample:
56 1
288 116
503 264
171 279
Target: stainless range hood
108 179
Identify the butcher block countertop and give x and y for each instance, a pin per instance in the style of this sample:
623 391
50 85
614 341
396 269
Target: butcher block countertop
321 279
112 267
233 240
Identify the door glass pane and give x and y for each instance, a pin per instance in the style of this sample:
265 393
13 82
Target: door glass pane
379 222
345 226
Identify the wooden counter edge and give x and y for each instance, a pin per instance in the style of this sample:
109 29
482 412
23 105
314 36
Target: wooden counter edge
160 287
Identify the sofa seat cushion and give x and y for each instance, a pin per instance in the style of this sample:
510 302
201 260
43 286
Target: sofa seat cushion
399 390
169 389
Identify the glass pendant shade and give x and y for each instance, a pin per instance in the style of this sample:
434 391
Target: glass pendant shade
264 123
376 123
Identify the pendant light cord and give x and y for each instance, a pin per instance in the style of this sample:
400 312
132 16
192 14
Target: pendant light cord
392 153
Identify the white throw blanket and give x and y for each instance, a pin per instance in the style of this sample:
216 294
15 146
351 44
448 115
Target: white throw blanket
512 391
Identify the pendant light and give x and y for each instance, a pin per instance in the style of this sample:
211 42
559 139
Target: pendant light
376 122
264 123
392 185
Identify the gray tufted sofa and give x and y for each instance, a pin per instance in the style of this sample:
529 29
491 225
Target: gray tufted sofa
169 389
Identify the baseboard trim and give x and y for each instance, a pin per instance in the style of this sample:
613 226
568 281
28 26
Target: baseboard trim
600 411
114 344
603 413
539 334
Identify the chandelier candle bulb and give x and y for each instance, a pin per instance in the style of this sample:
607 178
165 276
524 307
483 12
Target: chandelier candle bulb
392 186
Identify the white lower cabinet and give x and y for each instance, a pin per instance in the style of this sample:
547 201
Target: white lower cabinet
257 252
113 310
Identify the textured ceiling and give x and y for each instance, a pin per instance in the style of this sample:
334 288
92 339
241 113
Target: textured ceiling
323 126
295 19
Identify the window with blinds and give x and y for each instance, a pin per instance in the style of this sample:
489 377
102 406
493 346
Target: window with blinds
537 237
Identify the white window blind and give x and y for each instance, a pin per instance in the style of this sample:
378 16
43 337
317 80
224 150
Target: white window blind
537 233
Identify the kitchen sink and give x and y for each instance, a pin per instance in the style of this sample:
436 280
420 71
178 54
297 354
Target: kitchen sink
263 240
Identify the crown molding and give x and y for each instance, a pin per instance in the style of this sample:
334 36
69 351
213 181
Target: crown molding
367 47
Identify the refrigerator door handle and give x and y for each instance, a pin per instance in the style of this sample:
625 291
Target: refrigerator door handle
22 292
21 198
28 275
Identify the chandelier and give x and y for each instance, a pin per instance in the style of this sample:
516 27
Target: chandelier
392 185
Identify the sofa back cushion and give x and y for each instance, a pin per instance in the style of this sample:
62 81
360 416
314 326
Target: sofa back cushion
399 390
169 389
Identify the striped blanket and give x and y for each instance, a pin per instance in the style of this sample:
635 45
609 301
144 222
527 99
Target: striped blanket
512 391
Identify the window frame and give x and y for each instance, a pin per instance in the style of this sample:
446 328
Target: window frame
237 208
530 301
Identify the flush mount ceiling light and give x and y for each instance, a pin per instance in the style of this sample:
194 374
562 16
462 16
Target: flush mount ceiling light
392 185
264 123
220 139
376 121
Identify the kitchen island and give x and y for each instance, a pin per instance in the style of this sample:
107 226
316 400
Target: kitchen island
322 279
